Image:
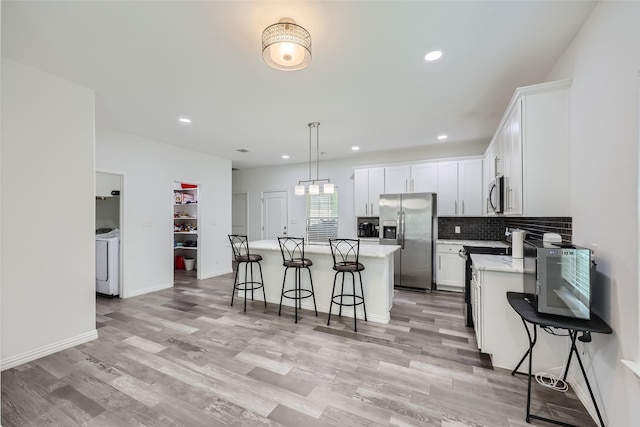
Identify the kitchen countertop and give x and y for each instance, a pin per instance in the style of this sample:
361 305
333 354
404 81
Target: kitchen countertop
487 243
504 263
372 250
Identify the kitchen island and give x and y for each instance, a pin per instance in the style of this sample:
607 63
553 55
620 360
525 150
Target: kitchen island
377 278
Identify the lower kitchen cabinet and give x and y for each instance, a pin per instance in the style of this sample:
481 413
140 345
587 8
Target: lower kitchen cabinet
499 330
449 268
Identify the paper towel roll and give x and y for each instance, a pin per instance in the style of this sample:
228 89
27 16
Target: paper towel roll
517 244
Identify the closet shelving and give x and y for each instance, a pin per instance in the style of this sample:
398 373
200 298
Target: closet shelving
185 220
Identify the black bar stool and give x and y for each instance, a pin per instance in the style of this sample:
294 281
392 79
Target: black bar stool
241 253
346 254
292 249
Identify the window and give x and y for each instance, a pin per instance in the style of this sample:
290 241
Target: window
322 217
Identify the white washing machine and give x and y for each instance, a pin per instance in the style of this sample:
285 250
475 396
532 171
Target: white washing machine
108 263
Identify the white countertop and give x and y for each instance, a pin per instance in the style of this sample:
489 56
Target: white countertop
373 250
503 263
487 243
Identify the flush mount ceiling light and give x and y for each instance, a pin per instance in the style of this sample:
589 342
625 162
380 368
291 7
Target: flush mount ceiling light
286 45
433 55
314 188
185 120
442 137
355 148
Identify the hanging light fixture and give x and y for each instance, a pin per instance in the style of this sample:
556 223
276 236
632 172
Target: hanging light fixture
286 45
314 188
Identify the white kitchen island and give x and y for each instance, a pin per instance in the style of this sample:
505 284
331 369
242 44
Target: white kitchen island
377 278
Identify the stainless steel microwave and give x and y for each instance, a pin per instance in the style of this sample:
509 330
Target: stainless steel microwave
495 200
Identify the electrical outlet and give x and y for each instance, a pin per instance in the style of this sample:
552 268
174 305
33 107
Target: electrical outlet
457 231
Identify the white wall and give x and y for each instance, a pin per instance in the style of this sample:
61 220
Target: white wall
149 169
604 61
285 177
48 263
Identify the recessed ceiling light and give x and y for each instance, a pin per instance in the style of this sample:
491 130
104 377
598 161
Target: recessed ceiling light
285 156
355 148
442 137
433 55
185 120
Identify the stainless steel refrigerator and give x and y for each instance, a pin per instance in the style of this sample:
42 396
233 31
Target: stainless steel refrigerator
408 220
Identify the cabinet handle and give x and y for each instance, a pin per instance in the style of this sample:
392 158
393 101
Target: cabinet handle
412 186
439 262
495 167
366 208
406 185
487 205
463 207
371 208
455 209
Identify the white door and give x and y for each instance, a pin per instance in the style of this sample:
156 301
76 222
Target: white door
274 214
239 214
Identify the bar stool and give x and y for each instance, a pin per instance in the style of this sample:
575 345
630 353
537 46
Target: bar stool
292 249
241 253
346 254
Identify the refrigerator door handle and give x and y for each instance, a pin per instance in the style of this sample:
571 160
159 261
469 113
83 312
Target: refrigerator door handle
402 244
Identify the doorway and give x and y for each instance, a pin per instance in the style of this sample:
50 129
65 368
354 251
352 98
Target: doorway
274 214
108 228
239 214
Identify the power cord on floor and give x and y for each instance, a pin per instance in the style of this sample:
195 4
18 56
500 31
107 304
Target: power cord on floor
546 378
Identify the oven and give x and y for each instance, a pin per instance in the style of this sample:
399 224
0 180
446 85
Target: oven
465 253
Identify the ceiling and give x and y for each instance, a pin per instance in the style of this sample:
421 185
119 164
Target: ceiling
368 84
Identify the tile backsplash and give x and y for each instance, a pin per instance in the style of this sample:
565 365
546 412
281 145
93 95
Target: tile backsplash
471 228
493 228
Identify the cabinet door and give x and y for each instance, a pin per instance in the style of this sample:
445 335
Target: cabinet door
361 192
515 175
450 272
396 179
447 188
488 175
376 188
470 187
424 178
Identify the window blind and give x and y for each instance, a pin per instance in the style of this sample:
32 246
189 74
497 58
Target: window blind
322 217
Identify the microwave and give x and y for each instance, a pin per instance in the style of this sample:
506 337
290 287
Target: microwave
495 201
559 277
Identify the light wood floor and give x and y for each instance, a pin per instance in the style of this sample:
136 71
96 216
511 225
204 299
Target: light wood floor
184 357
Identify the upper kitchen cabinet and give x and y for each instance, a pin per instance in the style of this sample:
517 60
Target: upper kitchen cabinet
460 188
531 150
368 186
107 184
417 178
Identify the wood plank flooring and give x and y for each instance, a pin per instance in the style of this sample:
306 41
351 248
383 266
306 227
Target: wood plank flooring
184 357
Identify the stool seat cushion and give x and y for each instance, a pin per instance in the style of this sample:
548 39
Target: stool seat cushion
348 266
249 258
298 262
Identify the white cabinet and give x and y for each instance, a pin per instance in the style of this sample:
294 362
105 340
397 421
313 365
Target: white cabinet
450 268
532 151
106 183
460 188
416 178
368 186
499 330
424 178
185 224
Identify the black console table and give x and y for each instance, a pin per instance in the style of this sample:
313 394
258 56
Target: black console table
521 304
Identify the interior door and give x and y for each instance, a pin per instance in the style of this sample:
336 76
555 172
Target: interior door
239 214
274 214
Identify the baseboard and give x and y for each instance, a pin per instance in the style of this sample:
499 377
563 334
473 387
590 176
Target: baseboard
47 350
216 274
138 292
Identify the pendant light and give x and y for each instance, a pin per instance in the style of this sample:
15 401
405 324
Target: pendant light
314 188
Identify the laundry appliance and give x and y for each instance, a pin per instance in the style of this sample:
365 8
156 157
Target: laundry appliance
108 263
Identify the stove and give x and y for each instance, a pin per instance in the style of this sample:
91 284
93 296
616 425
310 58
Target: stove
465 253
